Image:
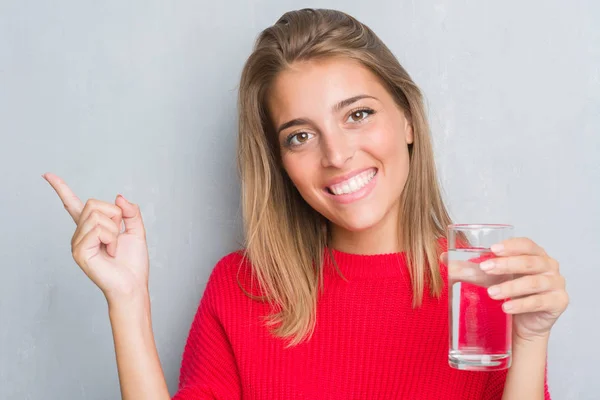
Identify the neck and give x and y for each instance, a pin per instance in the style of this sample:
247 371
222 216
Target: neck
381 238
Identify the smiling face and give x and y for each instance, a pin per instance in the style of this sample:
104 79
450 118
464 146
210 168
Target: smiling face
344 144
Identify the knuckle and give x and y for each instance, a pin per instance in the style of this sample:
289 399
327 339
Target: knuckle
95 217
560 301
89 205
529 244
562 282
565 299
507 289
503 263
517 305
529 264
117 210
537 303
507 264
536 282
76 252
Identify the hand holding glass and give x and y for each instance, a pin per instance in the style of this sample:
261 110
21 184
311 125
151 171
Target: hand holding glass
480 331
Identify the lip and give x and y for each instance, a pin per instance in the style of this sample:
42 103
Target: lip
347 176
352 197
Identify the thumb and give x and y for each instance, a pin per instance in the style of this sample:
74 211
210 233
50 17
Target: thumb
132 217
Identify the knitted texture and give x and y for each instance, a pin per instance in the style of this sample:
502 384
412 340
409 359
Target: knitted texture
369 342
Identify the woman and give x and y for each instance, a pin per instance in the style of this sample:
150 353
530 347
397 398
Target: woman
339 292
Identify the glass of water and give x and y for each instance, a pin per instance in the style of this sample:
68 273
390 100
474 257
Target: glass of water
480 331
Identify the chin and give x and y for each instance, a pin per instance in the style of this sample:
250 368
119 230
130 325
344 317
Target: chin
358 222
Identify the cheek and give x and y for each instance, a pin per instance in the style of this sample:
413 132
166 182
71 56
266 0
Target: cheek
386 142
300 171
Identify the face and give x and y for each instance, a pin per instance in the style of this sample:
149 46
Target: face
343 140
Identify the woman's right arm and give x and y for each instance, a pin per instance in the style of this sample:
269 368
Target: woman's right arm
140 373
117 262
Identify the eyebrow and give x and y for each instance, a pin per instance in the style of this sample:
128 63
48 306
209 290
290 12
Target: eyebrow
351 100
342 104
294 122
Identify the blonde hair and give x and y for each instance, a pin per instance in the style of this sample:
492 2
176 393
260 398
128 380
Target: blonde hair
285 238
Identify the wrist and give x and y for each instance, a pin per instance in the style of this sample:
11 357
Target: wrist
533 351
132 302
537 341
131 316
526 376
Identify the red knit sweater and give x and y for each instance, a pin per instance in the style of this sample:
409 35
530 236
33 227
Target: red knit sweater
369 342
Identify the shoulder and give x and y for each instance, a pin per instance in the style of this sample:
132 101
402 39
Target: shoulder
230 277
230 269
229 266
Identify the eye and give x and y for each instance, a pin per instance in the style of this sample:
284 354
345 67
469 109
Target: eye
297 139
359 115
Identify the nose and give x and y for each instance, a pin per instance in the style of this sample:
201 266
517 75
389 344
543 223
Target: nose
337 148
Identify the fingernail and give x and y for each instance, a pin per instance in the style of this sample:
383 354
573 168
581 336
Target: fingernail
507 306
487 265
497 248
494 291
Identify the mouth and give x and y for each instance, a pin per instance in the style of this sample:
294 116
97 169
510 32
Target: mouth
352 184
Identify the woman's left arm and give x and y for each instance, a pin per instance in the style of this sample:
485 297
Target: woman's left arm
526 376
537 298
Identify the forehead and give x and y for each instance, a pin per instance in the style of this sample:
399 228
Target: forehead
310 87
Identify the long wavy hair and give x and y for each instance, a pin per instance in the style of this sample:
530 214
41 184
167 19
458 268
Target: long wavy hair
285 239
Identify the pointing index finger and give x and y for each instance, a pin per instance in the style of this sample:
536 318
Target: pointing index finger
72 203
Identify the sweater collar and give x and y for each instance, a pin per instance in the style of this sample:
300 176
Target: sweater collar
366 265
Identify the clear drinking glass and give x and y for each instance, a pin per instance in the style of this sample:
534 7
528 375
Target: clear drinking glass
480 331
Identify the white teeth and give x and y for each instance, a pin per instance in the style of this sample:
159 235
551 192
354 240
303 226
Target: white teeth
353 184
